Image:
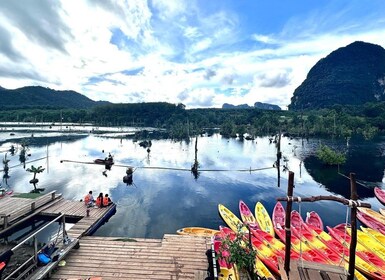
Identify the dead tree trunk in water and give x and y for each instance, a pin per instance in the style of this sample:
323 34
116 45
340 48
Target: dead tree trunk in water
194 167
279 156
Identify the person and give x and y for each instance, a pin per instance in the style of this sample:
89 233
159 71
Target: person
99 200
89 199
106 200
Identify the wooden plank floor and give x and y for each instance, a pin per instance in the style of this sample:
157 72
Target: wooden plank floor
173 257
78 209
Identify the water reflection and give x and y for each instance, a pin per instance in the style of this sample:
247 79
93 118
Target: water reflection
161 201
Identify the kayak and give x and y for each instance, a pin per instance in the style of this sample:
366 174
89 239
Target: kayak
379 194
300 230
374 266
230 219
371 222
226 270
197 231
263 264
374 214
300 247
312 218
378 236
365 240
246 215
332 249
263 218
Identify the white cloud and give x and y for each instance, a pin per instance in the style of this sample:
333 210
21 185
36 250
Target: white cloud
185 53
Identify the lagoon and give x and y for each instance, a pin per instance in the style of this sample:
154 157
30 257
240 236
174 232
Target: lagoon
165 196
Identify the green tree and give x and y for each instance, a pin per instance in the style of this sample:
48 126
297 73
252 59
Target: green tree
34 180
329 156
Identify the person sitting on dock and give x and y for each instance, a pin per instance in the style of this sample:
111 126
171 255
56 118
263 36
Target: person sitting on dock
99 200
106 201
89 199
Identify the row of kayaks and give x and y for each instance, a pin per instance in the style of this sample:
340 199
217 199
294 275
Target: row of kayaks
309 240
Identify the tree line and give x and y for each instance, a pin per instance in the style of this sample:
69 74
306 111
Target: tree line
339 121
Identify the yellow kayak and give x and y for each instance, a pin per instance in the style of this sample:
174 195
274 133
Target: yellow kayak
374 214
230 219
228 273
378 236
197 231
263 218
236 224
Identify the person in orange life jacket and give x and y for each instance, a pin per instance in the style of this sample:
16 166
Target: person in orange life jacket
99 200
89 199
106 200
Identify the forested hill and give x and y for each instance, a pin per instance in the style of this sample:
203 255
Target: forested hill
352 75
37 96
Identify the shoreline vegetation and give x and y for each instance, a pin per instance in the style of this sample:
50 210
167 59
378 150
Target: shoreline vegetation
177 122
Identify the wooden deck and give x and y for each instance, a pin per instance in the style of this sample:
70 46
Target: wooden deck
14 208
173 257
77 209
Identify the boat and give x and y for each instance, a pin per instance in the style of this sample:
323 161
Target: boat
374 266
106 161
263 264
331 248
378 236
263 218
374 214
231 220
226 270
371 222
300 230
307 253
312 218
197 231
247 216
379 194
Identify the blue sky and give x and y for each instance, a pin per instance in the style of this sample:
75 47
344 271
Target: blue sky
195 52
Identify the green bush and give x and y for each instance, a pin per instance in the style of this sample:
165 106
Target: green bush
329 156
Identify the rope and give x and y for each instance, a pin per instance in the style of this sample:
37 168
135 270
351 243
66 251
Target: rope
172 168
25 163
357 181
300 230
345 233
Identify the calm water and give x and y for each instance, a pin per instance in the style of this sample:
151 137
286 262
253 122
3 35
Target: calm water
161 201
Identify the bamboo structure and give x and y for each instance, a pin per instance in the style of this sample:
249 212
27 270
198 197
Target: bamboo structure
352 203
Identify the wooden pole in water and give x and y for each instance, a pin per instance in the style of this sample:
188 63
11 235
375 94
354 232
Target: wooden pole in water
279 156
290 187
353 222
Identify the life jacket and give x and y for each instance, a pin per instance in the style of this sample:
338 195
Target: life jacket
99 202
87 199
105 201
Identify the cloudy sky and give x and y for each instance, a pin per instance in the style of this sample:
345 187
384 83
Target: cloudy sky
201 53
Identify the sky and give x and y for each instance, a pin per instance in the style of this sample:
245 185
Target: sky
202 53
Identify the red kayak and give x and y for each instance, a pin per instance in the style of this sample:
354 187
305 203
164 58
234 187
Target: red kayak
380 194
371 222
300 247
312 218
247 216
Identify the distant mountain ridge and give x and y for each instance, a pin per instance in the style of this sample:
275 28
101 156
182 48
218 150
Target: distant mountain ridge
257 105
351 75
37 96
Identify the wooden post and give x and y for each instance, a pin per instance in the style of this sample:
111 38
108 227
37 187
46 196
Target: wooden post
279 156
290 187
353 215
